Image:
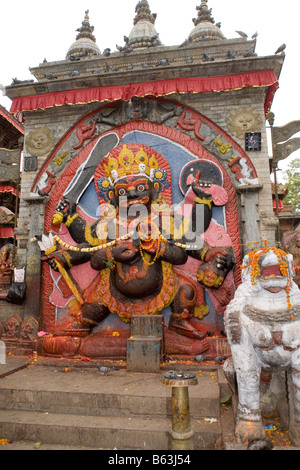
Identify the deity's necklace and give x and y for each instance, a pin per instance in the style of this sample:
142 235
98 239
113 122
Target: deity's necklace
149 238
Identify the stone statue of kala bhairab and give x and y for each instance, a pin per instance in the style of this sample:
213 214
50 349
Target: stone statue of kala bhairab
135 245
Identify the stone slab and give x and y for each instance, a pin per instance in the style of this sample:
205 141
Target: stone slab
144 354
13 365
147 325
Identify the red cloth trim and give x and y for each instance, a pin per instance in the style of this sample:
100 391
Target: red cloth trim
7 189
270 95
265 78
6 232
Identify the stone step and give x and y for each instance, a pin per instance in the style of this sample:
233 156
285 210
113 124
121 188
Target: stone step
103 432
83 407
93 394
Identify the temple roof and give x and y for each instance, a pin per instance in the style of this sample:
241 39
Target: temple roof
10 129
85 44
206 53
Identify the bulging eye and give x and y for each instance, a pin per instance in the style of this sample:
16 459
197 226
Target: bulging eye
121 192
141 188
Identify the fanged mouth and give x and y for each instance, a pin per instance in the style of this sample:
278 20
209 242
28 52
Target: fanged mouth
271 270
130 202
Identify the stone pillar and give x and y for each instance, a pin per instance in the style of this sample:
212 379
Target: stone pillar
269 226
250 229
33 259
145 346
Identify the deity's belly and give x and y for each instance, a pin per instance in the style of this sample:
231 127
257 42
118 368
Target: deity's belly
137 282
277 357
274 342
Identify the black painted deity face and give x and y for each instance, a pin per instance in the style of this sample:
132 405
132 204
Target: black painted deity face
133 190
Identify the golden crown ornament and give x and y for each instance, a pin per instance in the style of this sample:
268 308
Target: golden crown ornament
130 162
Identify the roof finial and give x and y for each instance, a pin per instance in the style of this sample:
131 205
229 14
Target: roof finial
86 30
85 44
204 25
204 14
143 12
143 33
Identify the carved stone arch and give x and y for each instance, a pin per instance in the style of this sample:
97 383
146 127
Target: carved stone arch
182 136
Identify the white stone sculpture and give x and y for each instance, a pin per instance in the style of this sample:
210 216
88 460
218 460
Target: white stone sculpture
247 173
263 329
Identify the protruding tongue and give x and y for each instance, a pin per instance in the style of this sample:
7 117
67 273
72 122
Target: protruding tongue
219 194
190 179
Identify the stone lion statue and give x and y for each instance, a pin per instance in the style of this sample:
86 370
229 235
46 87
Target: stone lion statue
263 329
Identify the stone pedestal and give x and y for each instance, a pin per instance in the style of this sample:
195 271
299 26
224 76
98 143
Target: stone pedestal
145 346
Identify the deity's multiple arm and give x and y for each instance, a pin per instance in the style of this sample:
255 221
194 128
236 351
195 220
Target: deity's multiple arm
85 236
80 231
216 261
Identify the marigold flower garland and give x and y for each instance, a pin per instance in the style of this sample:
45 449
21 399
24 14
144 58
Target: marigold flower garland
283 266
151 240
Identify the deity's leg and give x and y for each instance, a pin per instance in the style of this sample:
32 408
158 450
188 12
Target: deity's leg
86 318
94 313
68 340
182 310
248 370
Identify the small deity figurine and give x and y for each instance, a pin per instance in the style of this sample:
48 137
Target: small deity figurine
134 247
6 253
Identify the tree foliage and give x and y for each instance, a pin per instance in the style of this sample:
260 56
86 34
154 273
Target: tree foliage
292 182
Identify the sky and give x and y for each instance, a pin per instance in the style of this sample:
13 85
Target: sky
33 30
